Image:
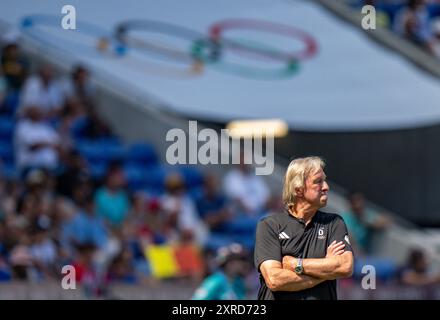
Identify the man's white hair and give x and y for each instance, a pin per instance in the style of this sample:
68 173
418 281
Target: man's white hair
296 175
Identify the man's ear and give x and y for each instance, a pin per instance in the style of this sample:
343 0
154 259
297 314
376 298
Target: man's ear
299 192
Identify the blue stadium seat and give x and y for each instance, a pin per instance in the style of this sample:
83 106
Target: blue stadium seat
77 128
150 179
193 177
11 102
141 154
101 150
97 170
9 171
6 128
137 176
433 9
6 152
156 177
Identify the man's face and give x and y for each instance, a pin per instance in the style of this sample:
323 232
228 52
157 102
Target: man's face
316 189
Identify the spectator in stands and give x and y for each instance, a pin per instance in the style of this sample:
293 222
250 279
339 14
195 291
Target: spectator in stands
413 23
249 191
122 267
79 86
227 283
14 67
43 251
21 259
149 220
72 116
144 221
275 205
436 34
5 271
416 272
112 201
84 227
85 270
37 144
74 172
95 127
25 214
212 205
44 92
181 211
143 226
73 109
81 190
8 198
362 222
35 202
3 90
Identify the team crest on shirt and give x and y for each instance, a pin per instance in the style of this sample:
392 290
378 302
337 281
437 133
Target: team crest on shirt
321 234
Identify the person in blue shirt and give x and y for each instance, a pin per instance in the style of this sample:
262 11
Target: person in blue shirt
228 282
363 223
212 205
84 227
111 200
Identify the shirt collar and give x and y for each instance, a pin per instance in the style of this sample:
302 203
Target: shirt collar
312 222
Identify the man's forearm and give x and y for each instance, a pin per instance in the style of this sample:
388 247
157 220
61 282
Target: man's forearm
287 280
326 268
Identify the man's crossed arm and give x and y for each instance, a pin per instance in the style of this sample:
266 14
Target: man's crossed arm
281 277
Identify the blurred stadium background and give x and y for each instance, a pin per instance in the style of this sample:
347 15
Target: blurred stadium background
84 115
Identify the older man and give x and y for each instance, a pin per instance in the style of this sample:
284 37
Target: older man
301 252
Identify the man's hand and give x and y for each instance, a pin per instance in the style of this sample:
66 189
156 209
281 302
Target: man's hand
289 263
337 263
335 249
280 279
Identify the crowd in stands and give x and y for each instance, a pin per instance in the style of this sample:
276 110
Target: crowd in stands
73 193
364 226
418 21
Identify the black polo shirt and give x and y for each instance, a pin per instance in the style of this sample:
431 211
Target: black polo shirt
283 234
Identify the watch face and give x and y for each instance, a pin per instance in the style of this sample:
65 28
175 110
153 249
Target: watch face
298 269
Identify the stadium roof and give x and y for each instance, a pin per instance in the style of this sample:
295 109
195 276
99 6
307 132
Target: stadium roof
229 59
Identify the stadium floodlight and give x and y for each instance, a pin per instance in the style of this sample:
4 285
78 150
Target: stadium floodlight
256 128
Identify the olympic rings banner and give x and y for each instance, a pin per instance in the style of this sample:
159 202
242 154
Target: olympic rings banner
201 50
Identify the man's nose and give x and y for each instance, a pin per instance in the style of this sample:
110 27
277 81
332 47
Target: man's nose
325 186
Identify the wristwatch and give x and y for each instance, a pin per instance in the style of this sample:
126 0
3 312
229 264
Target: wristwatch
299 266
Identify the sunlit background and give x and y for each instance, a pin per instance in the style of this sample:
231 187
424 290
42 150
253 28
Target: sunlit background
84 116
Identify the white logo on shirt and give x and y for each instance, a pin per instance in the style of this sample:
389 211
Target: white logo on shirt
347 239
283 235
321 234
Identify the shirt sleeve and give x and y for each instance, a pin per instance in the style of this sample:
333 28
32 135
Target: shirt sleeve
340 233
267 244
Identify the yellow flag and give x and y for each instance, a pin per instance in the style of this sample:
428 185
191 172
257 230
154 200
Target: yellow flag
162 261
